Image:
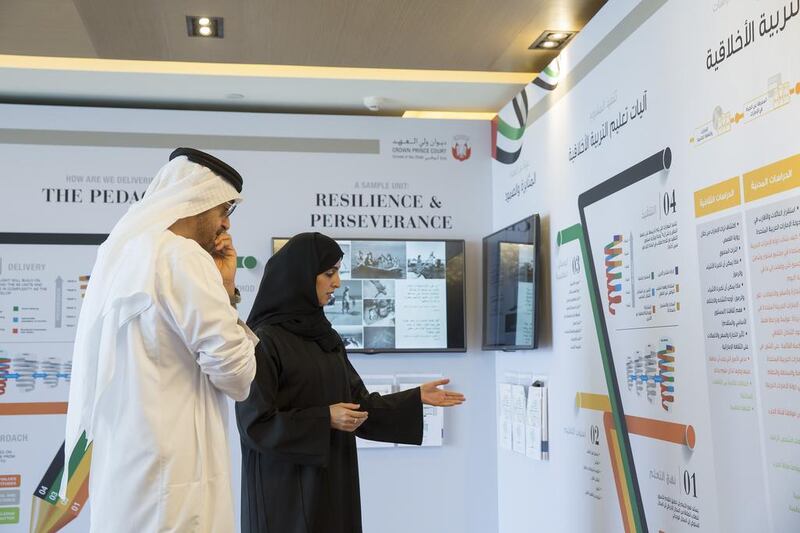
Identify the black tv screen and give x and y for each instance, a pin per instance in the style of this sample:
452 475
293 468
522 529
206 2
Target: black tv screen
510 287
399 295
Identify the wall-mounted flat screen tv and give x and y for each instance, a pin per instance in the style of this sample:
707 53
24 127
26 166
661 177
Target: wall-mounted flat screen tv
510 287
399 295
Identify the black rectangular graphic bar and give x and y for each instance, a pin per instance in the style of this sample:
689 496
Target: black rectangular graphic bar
95 239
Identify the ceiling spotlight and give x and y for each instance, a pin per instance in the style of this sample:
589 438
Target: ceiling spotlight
204 26
374 103
552 40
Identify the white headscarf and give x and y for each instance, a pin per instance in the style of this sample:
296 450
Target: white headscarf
122 283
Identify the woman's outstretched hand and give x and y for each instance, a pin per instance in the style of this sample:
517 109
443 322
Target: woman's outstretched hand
344 417
431 394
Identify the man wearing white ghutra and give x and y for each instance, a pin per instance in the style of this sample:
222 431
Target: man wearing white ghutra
158 349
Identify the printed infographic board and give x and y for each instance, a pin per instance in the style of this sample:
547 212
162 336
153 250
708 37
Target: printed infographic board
661 151
72 183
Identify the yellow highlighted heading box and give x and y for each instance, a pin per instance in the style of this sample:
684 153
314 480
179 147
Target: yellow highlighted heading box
717 197
772 179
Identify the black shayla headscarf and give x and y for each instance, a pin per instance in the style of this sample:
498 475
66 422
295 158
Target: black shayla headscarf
288 291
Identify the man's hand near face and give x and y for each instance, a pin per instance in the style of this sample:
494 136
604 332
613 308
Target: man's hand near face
224 255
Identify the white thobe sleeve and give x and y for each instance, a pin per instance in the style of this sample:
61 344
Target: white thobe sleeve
202 314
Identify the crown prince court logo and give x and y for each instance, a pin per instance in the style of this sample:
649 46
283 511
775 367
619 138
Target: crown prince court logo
461 148
432 148
420 149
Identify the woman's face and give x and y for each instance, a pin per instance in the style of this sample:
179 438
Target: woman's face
327 282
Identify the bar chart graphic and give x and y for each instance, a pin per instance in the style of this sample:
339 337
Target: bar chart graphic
27 372
613 263
651 373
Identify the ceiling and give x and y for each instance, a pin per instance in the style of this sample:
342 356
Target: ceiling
138 52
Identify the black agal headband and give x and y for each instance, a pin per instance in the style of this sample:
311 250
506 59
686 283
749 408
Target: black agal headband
218 167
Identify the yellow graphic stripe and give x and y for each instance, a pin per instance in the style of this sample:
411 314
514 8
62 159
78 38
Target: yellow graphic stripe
593 402
60 514
625 507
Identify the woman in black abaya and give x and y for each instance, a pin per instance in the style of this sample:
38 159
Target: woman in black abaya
307 403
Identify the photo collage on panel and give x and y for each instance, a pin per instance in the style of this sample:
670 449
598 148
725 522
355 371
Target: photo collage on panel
392 295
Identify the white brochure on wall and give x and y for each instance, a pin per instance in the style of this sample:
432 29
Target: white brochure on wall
382 384
545 425
518 402
513 412
505 417
536 422
433 417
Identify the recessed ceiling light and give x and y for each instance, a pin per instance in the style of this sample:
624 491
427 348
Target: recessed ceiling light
234 96
204 26
552 40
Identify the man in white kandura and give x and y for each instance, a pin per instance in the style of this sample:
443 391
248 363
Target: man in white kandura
159 347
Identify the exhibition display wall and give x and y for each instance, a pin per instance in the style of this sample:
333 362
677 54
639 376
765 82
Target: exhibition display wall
665 391
658 150
72 172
